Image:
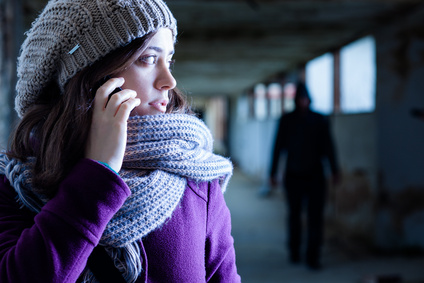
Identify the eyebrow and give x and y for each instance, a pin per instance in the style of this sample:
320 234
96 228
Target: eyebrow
160 50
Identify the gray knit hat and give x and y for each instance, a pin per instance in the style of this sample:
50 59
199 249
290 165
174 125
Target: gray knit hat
70 35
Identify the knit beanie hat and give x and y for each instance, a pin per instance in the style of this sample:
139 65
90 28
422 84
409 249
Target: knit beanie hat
70 35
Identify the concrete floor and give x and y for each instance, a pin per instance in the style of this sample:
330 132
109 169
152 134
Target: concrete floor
259 233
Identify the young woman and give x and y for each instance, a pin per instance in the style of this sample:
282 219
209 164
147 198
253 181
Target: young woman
109 177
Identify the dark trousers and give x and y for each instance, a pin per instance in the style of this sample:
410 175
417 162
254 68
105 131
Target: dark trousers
306 193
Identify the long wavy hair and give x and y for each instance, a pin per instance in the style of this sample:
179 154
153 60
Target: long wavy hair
56 128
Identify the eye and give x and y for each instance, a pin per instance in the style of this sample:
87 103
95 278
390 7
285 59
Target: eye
171 64
149 59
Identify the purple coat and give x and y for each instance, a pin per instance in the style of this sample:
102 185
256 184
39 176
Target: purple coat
194 245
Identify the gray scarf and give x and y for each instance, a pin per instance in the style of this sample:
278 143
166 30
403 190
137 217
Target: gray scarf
163 151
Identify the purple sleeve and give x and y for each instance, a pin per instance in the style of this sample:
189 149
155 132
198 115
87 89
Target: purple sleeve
53 246
220 253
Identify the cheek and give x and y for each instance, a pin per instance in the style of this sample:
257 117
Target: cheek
139 86
131 77
138 80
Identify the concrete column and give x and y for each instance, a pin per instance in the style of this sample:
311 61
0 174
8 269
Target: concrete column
10 40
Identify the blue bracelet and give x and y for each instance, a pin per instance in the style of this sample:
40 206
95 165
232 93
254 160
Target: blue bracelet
107 165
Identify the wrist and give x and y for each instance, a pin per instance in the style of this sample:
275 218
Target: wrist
107 166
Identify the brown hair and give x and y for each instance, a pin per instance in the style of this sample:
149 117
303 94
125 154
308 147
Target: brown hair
56 128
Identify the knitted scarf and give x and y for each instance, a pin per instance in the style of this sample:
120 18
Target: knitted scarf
162 152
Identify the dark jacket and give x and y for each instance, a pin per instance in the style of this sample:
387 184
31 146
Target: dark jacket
306 139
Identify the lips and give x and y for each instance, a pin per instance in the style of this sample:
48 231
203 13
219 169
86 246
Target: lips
160 105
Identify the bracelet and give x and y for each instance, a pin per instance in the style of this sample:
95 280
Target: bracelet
107 165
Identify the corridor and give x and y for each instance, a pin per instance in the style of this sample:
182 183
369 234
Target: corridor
259 234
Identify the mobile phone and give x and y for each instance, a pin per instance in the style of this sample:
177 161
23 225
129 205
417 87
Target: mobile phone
101 82
417 113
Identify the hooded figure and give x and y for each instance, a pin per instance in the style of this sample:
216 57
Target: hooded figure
305 138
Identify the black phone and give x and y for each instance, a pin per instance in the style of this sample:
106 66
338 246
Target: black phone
417 113
101 82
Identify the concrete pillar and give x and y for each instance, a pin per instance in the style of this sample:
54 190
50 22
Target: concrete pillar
10 41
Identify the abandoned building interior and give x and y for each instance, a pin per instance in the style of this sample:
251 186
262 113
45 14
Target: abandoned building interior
239 60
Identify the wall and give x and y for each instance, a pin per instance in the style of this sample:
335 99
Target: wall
351 204
4 75
251 140
381 198
400 209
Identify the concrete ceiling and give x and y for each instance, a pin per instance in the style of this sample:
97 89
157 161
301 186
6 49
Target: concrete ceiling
225 47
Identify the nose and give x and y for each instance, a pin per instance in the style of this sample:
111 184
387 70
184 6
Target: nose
165 80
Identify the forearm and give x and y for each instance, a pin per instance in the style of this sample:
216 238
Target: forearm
54 245
220 256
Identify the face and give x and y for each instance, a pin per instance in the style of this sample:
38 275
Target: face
303 103
150 76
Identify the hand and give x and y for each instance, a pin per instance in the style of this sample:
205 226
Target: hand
108 133
336 179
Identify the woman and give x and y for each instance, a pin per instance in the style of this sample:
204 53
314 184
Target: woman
108 172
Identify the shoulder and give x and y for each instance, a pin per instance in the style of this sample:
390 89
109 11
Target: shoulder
289 117
319 117
317 114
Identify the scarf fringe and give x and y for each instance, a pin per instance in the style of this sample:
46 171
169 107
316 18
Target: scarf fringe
126 259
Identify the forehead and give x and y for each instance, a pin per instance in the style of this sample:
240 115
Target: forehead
163 39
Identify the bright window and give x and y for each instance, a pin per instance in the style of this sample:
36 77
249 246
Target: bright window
319 81
275 94
357 76
260 102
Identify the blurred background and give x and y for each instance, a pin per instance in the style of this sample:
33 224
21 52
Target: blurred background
238 61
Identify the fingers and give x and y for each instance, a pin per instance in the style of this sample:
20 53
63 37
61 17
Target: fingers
103 92
124 110
110 103
108 133
121 100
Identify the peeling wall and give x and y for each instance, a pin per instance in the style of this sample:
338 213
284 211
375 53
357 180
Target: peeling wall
400 202
351 203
